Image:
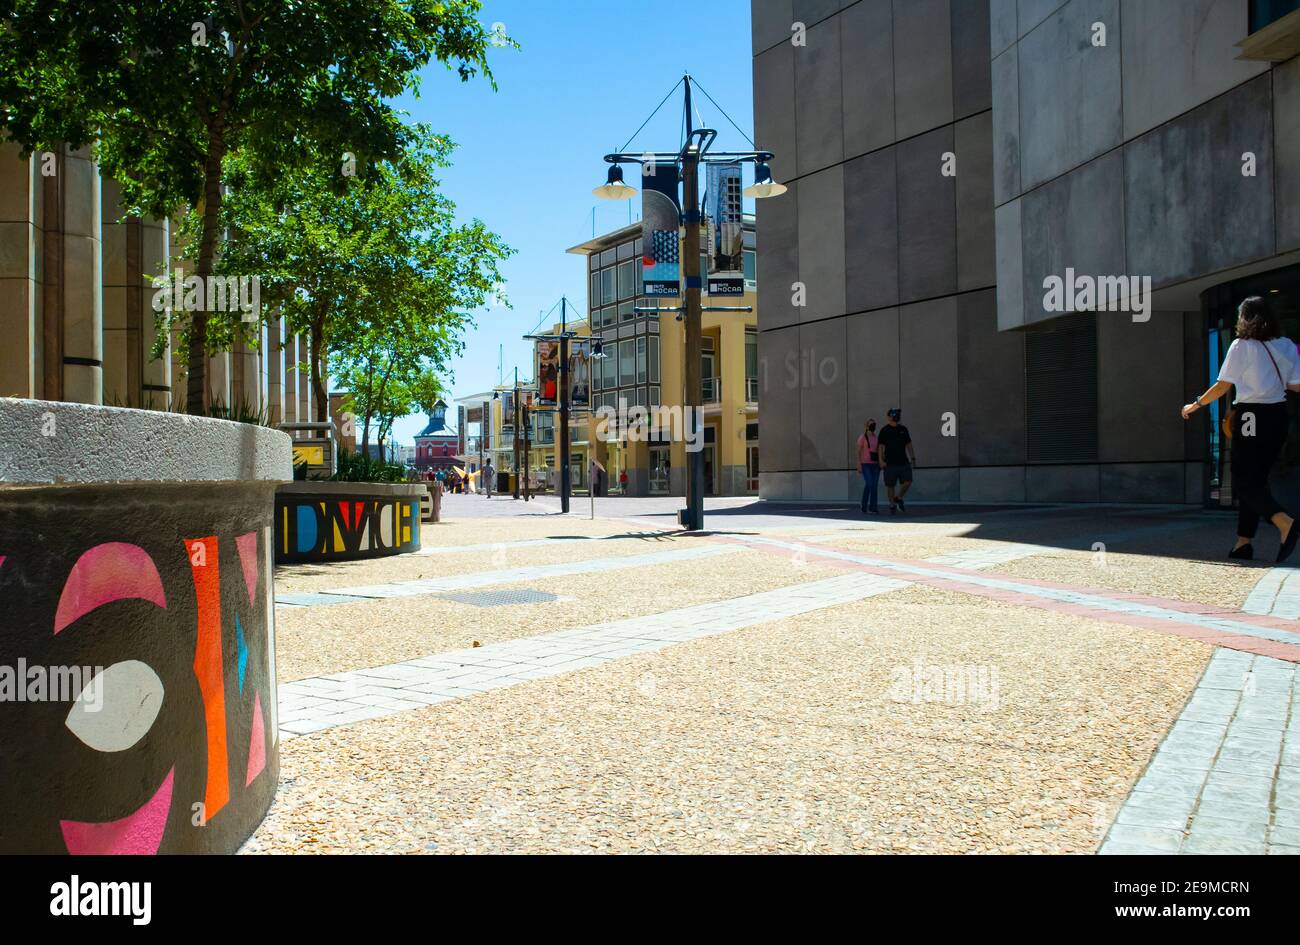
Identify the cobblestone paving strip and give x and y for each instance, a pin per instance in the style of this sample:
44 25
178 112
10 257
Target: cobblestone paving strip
310 705
458 582
1276 594
1262 635
1226 779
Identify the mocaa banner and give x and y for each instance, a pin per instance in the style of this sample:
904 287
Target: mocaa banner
660 220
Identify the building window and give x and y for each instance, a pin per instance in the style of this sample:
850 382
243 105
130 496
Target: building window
607 286
1266 12
626 311
609 366
608 257
640 361
593 300
751 266
654 396
654 359
625 251
751 365
593 261
626 280
626 362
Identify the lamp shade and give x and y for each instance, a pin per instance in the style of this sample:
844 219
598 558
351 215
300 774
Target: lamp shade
763 185
614 188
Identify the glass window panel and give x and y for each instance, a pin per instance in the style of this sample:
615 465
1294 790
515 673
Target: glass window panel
625 251
751 265
626 362
640 361
654 395
626 280
593 299
593 261
606 286
640 396
608 257
626 311
609 366
654 360
636 246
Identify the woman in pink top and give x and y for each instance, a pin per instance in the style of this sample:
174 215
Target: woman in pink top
869 461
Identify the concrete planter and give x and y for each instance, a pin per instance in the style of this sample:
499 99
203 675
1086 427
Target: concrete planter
137 645
343 521
431 503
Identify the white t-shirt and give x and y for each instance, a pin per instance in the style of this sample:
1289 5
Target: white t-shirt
1248 368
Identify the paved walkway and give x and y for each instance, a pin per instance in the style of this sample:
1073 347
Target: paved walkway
458 582
1263 635
310 705
1226 779
1276 594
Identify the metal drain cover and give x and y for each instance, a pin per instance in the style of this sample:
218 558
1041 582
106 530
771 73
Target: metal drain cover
499 598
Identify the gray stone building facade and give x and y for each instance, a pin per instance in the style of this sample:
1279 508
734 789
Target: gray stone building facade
945 157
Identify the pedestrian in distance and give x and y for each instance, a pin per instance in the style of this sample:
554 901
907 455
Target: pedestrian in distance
869 462
1262 364
896 459
488 475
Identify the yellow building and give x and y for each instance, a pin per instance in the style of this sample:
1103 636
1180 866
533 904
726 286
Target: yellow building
644 366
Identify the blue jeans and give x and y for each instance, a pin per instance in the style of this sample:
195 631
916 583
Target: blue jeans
870 479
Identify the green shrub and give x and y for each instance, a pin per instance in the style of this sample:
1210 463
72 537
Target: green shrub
358 467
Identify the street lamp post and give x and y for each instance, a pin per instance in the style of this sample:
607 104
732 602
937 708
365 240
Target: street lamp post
692 154
563 392
515 446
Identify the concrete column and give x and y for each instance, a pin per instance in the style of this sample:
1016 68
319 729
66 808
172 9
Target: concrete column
134 251
274 364
290 390
219 373
156 389
77 281
305 413
21 356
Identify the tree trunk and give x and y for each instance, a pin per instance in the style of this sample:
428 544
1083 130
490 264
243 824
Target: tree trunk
197 382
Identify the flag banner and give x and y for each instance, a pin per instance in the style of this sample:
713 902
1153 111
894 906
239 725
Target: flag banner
726 236
548 372
579 373
660 221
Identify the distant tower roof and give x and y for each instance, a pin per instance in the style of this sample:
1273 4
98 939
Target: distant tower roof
437 425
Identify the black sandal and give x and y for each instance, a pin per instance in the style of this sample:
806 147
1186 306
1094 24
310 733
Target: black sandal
1245 553
1288 544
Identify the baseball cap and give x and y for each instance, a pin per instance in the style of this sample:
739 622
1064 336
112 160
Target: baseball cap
895 412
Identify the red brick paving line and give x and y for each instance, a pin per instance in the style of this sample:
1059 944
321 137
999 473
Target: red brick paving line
960 584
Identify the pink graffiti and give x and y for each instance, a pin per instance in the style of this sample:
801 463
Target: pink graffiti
106 573
137 833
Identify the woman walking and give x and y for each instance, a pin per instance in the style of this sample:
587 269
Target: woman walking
1263 366
869 460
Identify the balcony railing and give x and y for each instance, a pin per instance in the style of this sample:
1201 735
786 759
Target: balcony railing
712 390
751 390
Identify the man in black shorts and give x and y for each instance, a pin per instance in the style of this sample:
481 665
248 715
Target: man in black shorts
896 459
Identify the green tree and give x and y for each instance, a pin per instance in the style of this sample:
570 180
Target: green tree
379 273
167 89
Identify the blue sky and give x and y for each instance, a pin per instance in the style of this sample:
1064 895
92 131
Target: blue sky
586 75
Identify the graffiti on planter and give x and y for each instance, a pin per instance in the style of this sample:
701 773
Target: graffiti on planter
310 527
167 748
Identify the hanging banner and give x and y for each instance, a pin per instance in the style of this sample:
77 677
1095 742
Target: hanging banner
726 235
579 373
661 215
548 372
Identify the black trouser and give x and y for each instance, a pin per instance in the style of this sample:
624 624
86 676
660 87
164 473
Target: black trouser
1253 456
